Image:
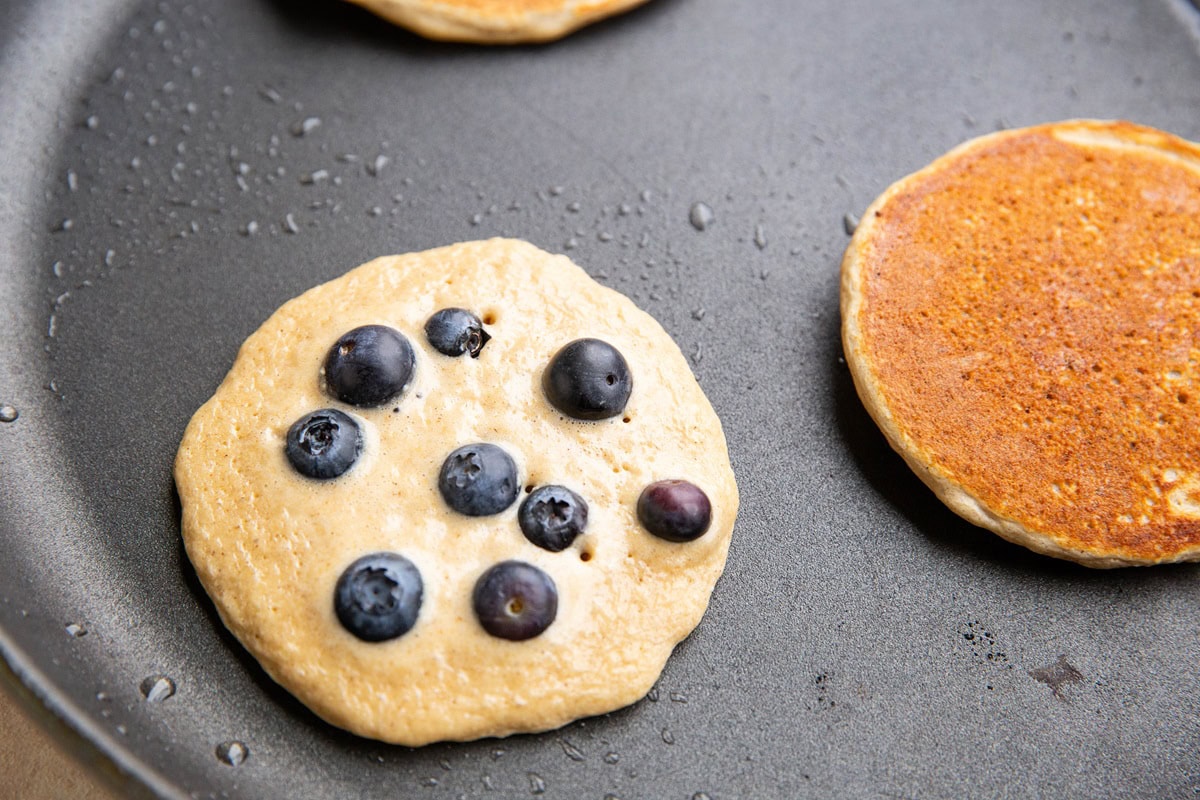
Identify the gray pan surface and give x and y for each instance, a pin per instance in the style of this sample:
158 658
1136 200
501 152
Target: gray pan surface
157 204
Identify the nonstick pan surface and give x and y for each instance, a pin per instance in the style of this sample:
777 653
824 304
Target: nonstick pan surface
173 171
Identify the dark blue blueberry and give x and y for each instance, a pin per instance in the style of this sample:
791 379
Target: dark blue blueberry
588 379
677 511
514 600
369 366
478 480
323 444
378 597
552 516
454 331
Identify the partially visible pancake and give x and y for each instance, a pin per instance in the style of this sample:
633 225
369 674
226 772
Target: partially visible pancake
1022 320
495 21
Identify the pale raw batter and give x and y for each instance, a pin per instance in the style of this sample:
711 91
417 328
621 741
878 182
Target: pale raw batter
269 544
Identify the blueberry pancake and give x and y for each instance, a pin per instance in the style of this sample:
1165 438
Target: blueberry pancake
1020 318
495 21
460 493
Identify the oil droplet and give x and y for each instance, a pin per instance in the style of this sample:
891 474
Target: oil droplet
701 216
306 126
289 224
157 688
698 314
849 224
232 753
678 697
572 752
250 229
497 754
611 758
536 784
376 166
611 797
667 736
8 413
760 236
75 630
429 782
701 796
652 695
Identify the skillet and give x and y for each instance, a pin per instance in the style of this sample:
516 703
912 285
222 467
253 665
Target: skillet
864 642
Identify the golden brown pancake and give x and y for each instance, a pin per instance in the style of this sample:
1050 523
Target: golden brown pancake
495 21
1021 319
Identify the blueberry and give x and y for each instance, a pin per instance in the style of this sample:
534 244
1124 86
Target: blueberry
677 511
552 516
454 331
588 379
323 444
478 480
514 600
369 366
378 597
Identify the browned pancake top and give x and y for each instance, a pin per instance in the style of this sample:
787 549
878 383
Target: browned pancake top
1031 308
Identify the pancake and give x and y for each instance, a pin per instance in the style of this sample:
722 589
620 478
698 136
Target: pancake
1021 320
422 643
495 21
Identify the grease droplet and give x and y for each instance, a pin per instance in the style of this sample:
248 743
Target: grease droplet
611 758
157 688
75 630
232 753
8 413
667 736
536 784
701 216
572 752
306 126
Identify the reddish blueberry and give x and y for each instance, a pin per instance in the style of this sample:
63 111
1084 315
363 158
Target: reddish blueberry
674 510
514 600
